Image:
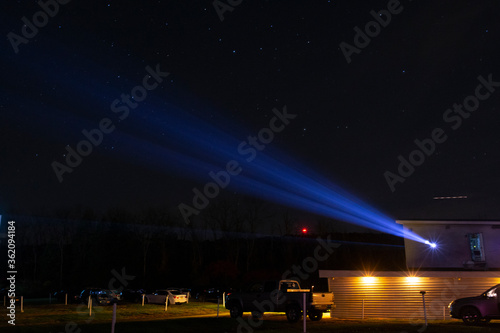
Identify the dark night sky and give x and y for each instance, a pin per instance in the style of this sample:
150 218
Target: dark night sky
353 122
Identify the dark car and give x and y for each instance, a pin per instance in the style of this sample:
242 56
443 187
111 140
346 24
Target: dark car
209 294
72 296
98 296
133 295
473 310
4 292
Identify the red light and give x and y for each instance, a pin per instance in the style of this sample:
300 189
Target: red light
304 230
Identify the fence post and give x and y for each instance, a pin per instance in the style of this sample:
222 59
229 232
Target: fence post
143 295
113 321
22 303
304 310
166 303
66 299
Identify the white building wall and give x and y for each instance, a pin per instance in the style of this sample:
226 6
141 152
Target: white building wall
453 248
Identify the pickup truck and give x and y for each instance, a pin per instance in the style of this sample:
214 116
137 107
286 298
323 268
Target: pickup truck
280 296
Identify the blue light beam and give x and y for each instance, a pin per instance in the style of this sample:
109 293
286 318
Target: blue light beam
162 135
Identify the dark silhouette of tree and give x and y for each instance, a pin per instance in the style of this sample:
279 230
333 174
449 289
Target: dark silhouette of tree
32 235
63 230
255 215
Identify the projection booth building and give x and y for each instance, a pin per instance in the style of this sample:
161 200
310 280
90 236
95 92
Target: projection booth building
465 262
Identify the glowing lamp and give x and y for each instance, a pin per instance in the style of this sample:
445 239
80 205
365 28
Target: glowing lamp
433 245
412 279
369 279
304 230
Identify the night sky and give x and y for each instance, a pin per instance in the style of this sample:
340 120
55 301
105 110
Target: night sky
354 118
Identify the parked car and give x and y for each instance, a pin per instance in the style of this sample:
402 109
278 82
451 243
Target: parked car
177 297
160 296
185 291
117 295
474 310
73 295
209 294
4 292
98 296
133 295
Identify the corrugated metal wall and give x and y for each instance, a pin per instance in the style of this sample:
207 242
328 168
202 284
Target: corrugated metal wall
399 297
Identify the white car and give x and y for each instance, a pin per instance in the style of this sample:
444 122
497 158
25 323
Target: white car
184 291
159 297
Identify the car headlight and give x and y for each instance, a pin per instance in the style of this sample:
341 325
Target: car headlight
451 304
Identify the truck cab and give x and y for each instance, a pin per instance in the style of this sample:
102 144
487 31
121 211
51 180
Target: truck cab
280 296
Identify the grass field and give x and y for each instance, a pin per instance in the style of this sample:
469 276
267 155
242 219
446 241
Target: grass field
201 317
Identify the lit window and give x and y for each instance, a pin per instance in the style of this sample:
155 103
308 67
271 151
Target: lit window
476 246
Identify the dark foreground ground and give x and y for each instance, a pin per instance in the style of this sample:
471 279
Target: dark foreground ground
274 325
201 317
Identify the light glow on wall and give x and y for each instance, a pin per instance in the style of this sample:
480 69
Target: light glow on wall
412 279
369 279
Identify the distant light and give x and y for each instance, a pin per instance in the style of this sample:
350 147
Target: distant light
304 230
433 245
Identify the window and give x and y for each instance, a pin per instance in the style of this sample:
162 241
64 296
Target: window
492 293
476 246
289 285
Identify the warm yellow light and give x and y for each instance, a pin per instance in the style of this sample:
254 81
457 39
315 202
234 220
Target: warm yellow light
369 279
412 279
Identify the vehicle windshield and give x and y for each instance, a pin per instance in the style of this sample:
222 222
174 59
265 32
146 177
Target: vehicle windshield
175 292
289 285
492 292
